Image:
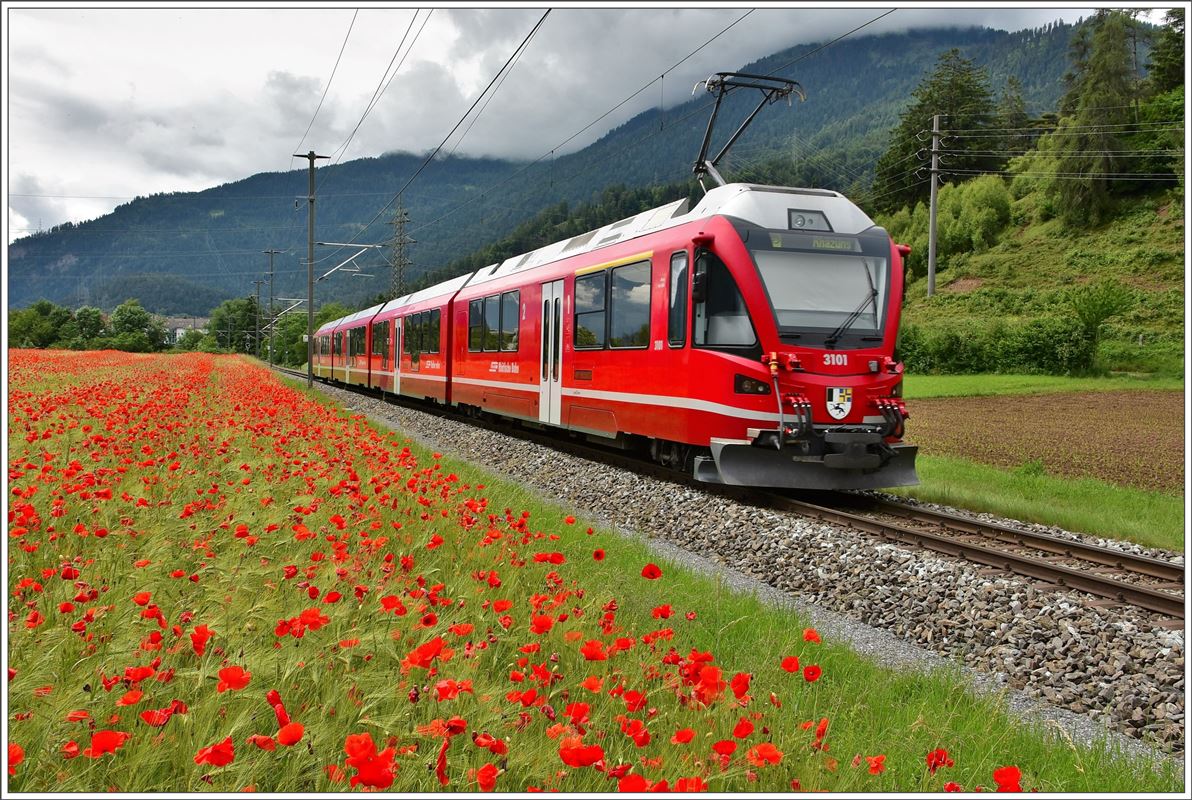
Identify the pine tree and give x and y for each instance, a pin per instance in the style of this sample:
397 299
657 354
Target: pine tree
960 93
1165 70
1012 118
1087 142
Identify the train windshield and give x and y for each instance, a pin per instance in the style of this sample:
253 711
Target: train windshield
828 287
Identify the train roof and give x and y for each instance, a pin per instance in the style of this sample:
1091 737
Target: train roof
765 206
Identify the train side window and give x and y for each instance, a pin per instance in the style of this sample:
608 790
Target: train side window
590 305
510 304
431 344
476 326
677 317
629 306
380 343
492 322
721 318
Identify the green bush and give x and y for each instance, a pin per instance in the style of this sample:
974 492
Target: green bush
1046 345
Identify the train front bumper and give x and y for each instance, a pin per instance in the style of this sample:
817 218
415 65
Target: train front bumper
847 460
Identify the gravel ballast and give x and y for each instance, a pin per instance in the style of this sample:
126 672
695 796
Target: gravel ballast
1089 671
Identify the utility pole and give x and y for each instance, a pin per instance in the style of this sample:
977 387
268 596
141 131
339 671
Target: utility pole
271 253
399 259
257 346
310 268
935 169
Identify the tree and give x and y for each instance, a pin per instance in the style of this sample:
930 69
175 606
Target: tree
134 329
1012 118
90 323
39 325
1165 70
1087 143
190 339
960 92
234 324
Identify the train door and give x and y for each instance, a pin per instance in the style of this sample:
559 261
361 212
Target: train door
397 355
550 378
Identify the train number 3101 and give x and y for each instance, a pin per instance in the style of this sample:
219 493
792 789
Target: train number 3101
835 359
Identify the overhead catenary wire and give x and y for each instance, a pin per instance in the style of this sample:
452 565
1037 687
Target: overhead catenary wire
563 143
435 152
319 107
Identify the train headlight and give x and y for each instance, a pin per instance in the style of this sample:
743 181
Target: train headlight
743 384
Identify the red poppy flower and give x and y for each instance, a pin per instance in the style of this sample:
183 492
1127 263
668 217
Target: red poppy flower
1008 778
877 764
791 663
598 554
16 754
290 734
233 678
199 639
263 742
651 572
486 777
106 742
219 754
765 753
743 728
575 753
811 635
938 758
570 520
683 736
725 747
811 673
593 650
953 786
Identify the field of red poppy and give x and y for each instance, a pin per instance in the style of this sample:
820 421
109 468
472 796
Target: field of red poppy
217 582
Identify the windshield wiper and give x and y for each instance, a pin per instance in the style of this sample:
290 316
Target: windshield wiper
834 336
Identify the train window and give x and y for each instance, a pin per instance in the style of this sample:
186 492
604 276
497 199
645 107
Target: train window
431 341
356 341
721 318
510 304
380 342
590 295
413 333
336 342
629 306
492 322
476 325
677 317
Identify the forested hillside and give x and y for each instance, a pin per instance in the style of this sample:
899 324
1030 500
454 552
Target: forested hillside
182 253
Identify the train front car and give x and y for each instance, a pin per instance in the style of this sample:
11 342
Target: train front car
822 285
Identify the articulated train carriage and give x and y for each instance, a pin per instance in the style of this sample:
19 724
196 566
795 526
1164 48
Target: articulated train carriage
749 340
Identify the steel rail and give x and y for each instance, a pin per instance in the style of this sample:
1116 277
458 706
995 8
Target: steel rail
1068 577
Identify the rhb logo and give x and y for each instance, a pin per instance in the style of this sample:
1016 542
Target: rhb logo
840 401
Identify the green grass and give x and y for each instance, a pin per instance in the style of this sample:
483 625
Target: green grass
920 387
1090 506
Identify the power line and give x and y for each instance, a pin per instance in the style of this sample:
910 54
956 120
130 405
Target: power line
435 152
327 87
561 144
382 85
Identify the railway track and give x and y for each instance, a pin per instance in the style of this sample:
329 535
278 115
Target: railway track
1113 577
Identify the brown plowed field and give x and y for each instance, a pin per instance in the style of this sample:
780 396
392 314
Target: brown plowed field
1129 438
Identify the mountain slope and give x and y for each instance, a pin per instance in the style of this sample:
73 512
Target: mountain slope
206 246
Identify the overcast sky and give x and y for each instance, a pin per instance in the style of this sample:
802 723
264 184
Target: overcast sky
103 104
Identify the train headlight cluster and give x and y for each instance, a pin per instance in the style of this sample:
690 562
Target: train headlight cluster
746 385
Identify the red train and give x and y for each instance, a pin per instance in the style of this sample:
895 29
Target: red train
749 339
